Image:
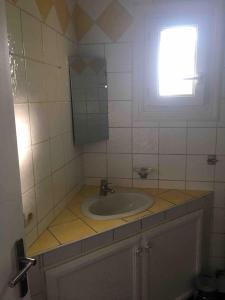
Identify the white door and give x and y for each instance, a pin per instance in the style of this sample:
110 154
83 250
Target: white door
11 221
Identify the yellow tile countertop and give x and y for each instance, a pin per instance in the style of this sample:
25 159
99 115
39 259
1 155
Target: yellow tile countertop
71 225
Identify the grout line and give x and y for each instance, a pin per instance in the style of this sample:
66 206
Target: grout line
61 243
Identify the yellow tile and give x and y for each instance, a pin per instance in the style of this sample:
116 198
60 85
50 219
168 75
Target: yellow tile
82 22
115 20
197 193
62 13
75 207
64 217
155 192
72 231
89 191
45 242
160 205
44 7
102 225
176 197
137 216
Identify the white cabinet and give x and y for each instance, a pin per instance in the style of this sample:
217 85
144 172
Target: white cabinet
158 264
111 273
172 258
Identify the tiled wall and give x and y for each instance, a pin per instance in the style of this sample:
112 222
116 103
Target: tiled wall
41 37
176 150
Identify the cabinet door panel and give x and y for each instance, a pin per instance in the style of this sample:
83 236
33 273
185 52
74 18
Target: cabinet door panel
111 274
172 259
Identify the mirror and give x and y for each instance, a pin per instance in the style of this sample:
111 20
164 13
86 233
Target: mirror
88 80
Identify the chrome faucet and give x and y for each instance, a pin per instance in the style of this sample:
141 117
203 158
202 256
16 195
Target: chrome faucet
104 188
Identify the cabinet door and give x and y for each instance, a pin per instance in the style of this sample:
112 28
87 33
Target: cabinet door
172 258
110 273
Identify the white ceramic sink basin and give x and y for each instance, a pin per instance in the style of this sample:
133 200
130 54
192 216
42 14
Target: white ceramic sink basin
116 205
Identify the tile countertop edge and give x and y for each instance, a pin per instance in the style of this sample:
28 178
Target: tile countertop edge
128 229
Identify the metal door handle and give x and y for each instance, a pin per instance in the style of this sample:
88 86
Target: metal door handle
29 263
23 264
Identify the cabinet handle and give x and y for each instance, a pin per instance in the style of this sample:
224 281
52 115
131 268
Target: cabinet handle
139 251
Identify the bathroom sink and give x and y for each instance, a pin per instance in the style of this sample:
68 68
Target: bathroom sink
116 205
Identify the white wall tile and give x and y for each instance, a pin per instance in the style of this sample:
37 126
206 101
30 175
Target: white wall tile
219 196
30 7
217 263
120 113
120 165
56 118
99 147
220 146
144 184
67 114
71 178
14 29
94 49
49 45
70 150
118 57
146 161
218 245
95 36
29 207
53 20
119 140
43 224
35 81
201 140
39 122
198 169
42 163
219 220
44 198
94 11
26 169
18 79
32 37
145 140
199 185
171 184
63 85
172 140
51 83
220 169
22 126
172 167
57 152
59 185
120 182
119 86
61 49
94 165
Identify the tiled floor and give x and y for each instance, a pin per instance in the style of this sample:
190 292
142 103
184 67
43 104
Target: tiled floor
71 225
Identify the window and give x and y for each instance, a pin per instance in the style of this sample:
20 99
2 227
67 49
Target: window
177 61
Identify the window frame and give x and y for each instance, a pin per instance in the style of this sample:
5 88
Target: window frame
153 109
193 79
